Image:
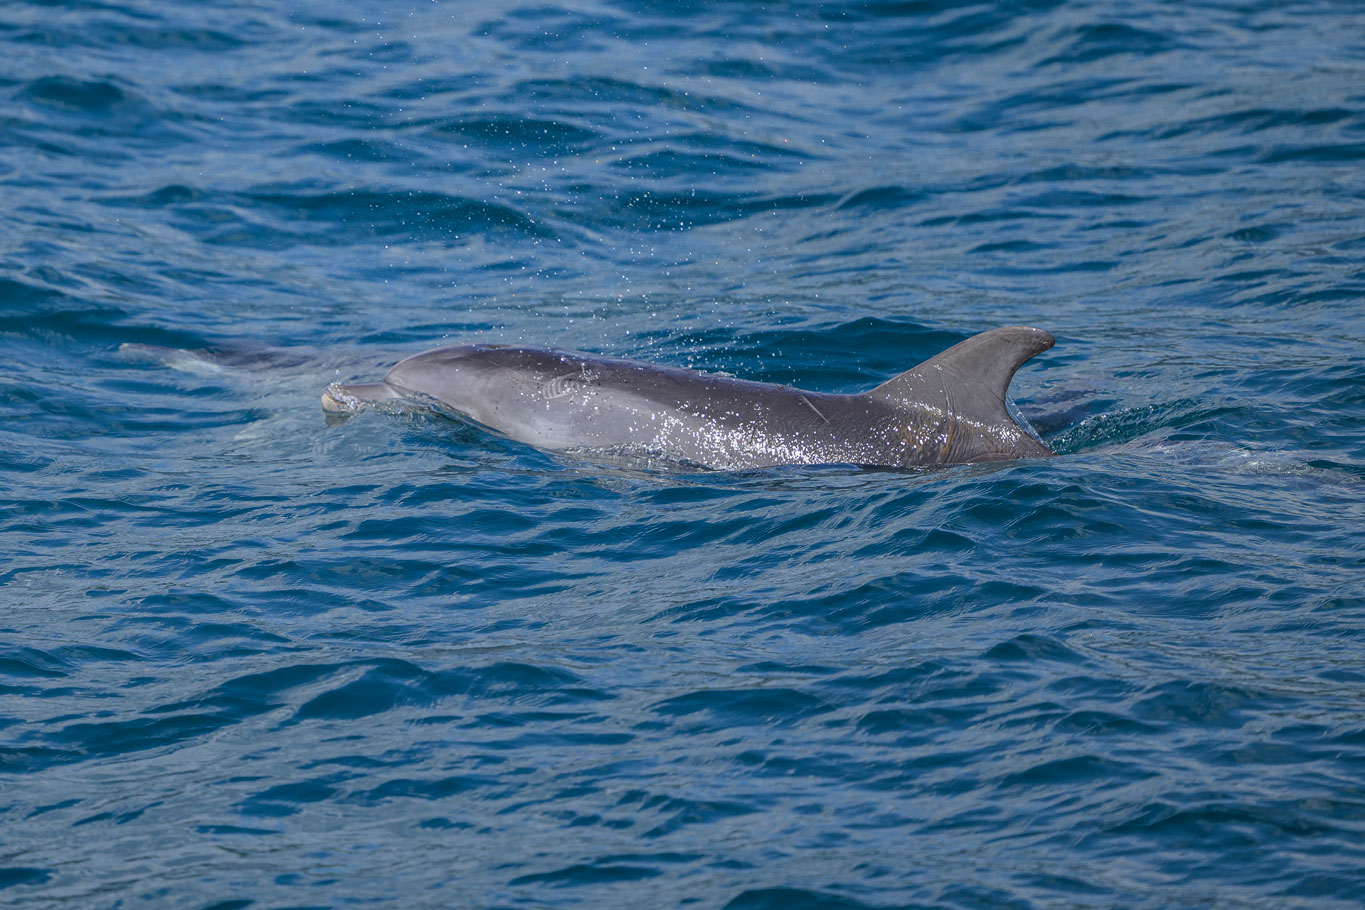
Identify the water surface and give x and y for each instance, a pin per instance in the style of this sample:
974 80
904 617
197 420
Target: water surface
251 659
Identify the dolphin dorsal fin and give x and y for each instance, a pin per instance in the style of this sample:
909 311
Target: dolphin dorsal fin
969 379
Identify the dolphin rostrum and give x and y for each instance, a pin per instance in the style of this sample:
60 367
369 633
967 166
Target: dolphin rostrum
948 410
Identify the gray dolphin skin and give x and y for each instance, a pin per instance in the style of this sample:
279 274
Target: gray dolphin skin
948 410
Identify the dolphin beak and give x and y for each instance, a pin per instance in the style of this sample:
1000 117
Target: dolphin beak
347 399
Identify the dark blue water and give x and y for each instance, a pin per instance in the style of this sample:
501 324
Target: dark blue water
250 659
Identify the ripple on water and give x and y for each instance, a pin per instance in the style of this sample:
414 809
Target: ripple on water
250 657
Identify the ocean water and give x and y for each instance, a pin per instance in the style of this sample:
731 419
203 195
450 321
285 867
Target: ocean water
251 658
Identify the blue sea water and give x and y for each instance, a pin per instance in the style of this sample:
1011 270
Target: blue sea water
249 658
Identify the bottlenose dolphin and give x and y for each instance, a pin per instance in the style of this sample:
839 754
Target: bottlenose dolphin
948 410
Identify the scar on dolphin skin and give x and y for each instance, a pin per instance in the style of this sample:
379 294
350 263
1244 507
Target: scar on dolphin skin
812 406
951 409
566 384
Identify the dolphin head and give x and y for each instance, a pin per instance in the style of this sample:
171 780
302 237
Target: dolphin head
439 377
492 384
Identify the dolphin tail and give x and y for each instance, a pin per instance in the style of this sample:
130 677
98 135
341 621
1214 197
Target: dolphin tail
970 381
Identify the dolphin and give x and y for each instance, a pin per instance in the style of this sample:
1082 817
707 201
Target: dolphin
951 409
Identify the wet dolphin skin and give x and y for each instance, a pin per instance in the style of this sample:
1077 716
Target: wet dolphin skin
950 409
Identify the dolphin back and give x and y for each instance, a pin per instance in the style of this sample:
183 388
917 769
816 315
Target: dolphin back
967 385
